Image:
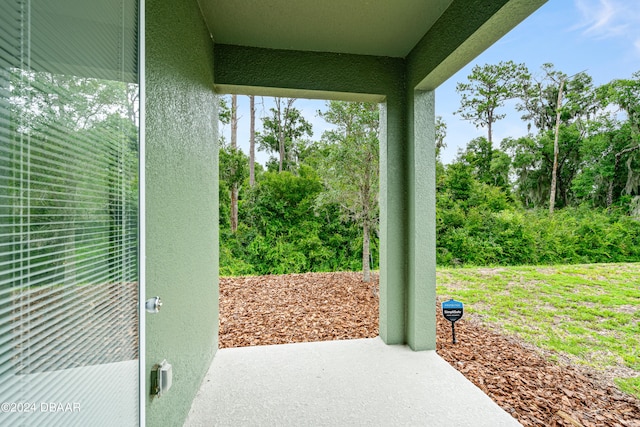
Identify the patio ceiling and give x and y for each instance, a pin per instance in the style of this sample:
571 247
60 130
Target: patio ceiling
310 45
365 27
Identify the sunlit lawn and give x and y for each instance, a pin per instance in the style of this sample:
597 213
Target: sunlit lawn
590 313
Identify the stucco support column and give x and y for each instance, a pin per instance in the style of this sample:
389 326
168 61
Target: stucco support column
407 221
393 203
421 239
181 203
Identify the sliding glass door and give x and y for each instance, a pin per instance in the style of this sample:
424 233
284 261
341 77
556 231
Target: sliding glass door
69 115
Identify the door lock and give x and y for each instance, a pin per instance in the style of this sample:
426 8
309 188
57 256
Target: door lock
153 304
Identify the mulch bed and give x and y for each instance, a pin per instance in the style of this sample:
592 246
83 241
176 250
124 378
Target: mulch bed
332 306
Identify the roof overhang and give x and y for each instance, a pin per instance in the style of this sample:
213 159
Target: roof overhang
358 27
433 39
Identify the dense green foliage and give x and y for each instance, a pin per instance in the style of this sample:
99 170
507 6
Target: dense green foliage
479 224
492 203
282 230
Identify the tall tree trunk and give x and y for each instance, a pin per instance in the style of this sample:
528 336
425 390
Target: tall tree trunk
490 130
615 172
610 193
611 182
280 134
234 121
285 127
234 146
234 208
283 107
366 268
554 171
252 141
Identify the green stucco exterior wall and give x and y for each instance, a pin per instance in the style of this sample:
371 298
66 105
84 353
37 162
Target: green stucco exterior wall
421 220
181 203
313 74
464 30
394 193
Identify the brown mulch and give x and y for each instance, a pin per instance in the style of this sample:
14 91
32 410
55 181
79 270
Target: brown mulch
296 308
331 306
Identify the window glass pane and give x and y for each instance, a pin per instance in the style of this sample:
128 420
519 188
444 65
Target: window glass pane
68 211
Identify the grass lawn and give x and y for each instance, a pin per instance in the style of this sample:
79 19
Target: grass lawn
588 313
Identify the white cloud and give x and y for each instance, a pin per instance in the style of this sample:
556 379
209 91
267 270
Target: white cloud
610 19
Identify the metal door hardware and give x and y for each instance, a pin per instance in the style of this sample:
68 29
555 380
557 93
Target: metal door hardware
153 304
163 378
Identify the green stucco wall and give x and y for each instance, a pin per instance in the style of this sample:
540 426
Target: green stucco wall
181 203
310 73
464 30
421 220
394 193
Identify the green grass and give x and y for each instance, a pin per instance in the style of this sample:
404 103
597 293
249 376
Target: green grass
629 385
590 313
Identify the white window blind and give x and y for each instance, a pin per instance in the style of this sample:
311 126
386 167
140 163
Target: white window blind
68 212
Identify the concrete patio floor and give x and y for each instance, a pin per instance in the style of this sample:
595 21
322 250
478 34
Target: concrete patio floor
339 383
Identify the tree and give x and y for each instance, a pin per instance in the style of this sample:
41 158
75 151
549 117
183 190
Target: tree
234 121
233 162
252 141
527 159
441 134
282 130
555 101
458 181
625 93
233 151
233 171
601 181
532 163
224 112
554 170
489 87
490 165
350 168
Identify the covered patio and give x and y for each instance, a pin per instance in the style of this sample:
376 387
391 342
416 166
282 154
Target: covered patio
339 383
393 53
132 200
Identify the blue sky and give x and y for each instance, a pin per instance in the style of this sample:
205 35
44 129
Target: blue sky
601 37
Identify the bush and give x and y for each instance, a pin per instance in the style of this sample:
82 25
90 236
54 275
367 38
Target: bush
488 229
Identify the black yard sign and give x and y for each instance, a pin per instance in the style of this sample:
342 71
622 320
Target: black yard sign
452 310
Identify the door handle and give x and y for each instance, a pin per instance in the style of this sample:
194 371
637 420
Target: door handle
153 305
